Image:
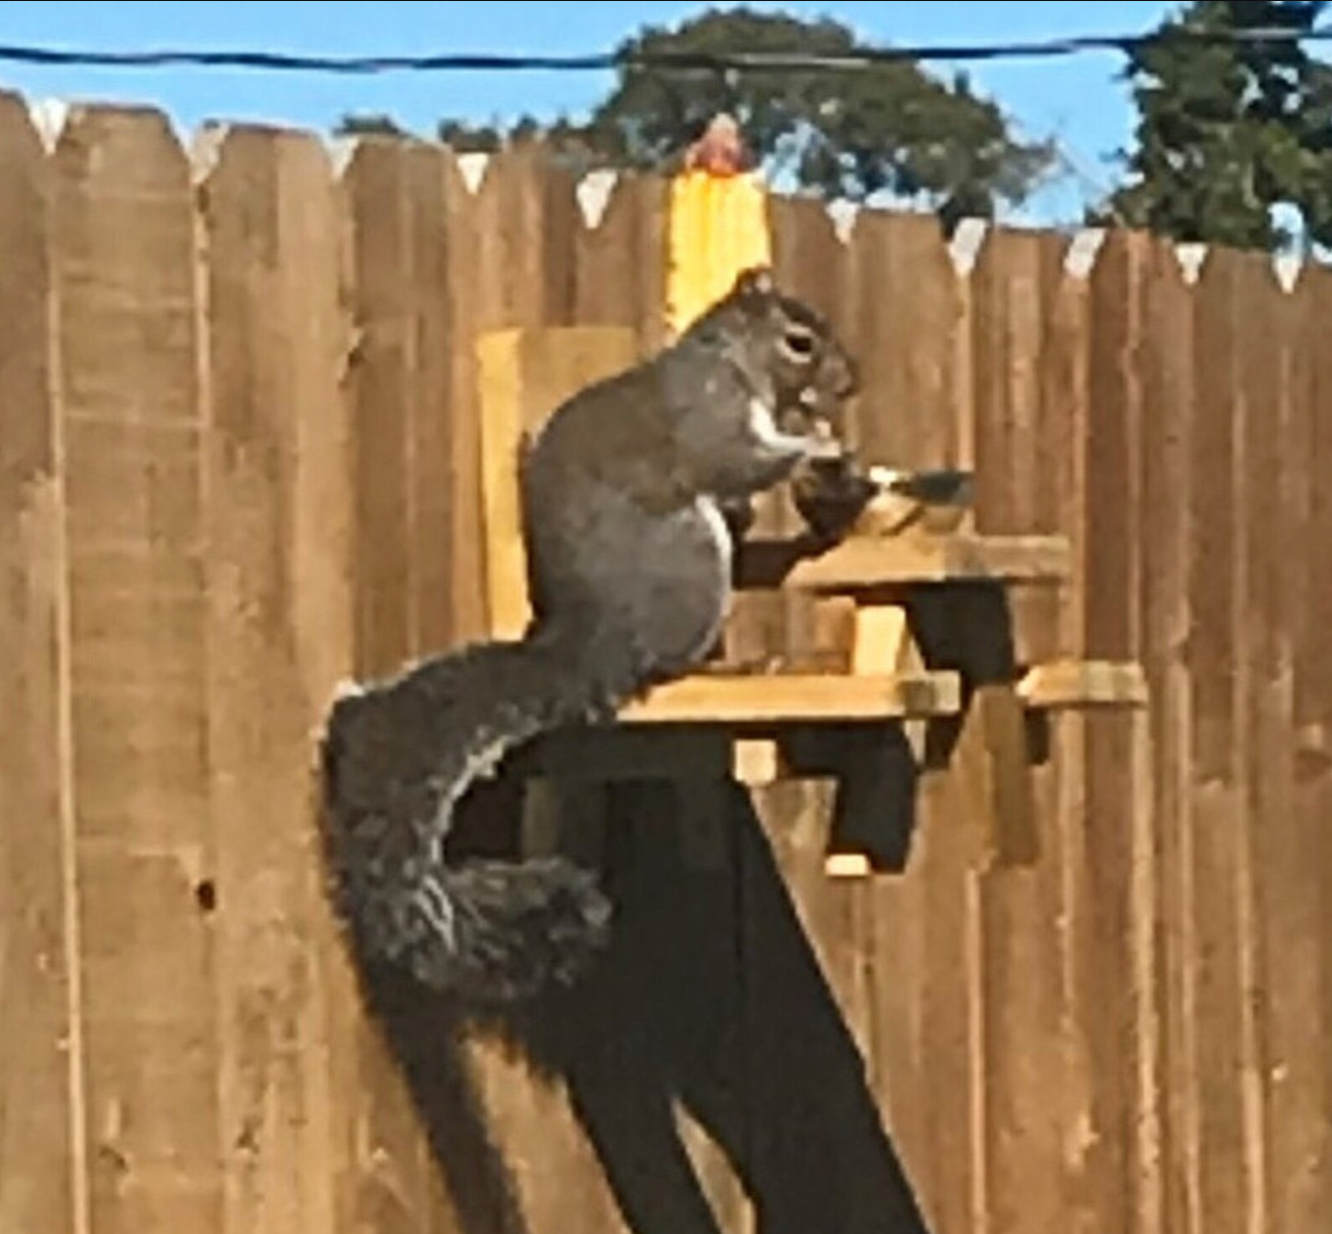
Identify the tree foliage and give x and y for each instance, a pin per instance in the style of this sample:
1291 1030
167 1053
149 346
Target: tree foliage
889 128
1228 130
369 124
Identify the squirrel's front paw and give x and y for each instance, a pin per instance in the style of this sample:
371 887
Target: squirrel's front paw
830 494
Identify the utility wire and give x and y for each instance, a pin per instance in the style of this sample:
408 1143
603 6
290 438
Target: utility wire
858 60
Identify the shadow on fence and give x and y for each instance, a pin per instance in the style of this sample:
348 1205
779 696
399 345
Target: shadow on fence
710 996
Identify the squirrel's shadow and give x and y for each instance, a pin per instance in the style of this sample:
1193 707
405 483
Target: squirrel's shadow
709 995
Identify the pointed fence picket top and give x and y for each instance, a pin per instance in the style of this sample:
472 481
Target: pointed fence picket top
279 530
132 418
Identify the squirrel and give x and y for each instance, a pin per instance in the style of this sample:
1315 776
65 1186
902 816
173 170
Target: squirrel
622 494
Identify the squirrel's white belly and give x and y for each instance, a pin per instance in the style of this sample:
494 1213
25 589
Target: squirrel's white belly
713 519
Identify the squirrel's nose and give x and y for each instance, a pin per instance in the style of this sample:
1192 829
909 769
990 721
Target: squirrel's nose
852 384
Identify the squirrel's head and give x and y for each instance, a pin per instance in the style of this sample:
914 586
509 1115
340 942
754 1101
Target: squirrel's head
793 347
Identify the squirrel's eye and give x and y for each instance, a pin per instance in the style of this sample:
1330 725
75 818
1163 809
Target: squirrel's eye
799 343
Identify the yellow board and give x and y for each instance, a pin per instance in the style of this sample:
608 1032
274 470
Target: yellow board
523 376
718 227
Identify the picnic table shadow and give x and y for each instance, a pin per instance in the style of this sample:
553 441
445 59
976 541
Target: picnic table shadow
710 995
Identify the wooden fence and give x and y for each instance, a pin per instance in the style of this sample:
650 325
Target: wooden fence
238 441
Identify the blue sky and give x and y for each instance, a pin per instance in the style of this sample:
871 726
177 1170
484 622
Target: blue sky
1076 99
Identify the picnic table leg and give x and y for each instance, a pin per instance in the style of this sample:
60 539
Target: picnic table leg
874 811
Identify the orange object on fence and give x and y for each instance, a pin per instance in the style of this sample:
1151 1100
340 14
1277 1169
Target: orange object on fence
718 225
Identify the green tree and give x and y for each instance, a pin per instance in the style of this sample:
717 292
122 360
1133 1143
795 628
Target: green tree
1227 130
838 133
369 124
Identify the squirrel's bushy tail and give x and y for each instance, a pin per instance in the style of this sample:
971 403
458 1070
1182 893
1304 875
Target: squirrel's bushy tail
397 757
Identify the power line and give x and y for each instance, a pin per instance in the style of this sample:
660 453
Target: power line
860 59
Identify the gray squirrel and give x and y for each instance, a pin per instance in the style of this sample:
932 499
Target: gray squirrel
629 494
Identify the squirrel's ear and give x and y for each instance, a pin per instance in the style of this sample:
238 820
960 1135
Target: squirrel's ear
755 284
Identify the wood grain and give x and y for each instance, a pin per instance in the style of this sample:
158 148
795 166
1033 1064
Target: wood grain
43 1183
132 424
